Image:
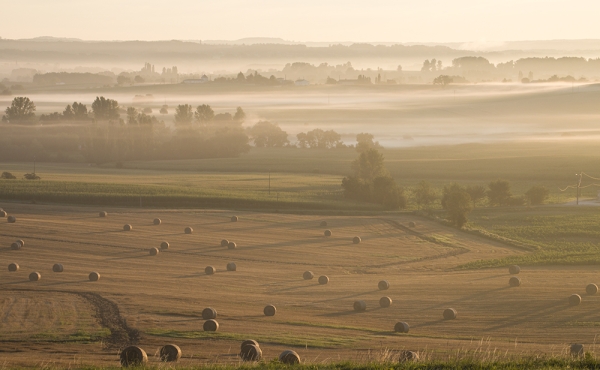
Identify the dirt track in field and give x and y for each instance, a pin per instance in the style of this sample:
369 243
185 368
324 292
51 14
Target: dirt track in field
154 300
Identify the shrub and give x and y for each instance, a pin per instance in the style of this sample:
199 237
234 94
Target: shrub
7 176
537 195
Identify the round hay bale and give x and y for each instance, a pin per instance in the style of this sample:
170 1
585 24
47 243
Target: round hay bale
133 356
323 223
514 269
407 356
13 267
323 279
22 242
232 245
188 230
574 299
210 325
576 349
450 314
58 267
401 327
250 352
154 251
289 357
15 246
170 353
157 221
35 276
383 285
234 218
412 224
11 219
127 227
514 281
210 270
360 306
327 233
94 276
591 289
385 302
231 266
164 245
308 275
103 214
224 243
356 240
269 310
2 213
249 341
209 313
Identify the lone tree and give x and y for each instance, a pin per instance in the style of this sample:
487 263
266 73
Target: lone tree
364 142
239 115
457 203
105 109
21 110
424 194
477 193
268 135
537 195
183 114
499 193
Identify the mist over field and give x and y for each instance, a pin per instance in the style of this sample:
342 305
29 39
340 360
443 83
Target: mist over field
332 185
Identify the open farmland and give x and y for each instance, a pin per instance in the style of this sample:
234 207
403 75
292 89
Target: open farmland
65 319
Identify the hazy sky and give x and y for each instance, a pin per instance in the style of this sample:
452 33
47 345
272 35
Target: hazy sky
305 20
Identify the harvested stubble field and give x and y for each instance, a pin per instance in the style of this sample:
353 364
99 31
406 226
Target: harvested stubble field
66 320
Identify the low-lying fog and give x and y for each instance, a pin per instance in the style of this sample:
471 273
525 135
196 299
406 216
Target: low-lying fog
398 116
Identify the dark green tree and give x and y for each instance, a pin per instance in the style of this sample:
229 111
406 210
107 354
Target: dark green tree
21 110
204 113
239 115
183 114
105 109
499 193
267 134
537 195
364 142
369 165
457 203
424 194
476 192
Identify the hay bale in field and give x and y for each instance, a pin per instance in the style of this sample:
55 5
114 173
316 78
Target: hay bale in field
170 353
164 245
249 341
360 306
323 223
450 314
22 242
58 267
210 325
308 275
15 246
356 240
250 352
514 281
94 276
35 276
224 243
157 221
591 289
401 327
210 270
188 230
385 302
11 219
383 285
133 356
13 267
576 349
323 279
232 245
412 224
407 356
269 310
127 227
2 213
231 266
327 233
209 313
289 357
514 269
103 214
574 299
154 251
234 218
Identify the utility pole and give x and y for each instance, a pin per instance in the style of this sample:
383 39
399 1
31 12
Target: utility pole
580 174
269 181
34 164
